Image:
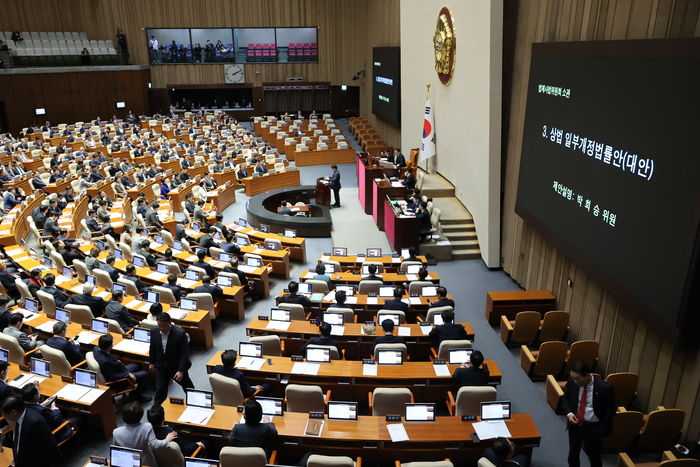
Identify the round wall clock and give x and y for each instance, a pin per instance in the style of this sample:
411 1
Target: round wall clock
445 45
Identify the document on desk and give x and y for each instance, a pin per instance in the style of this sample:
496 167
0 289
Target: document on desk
395 260
47 326
60 279
134 304
13 252
414 301
252 232
130 345
337 330
491 429
247 269
158 276
257 251
351 301
397 432
441 370
298 368
396 184
77 289
146 306
177 313
411 277
91 396
426 330
196 415
87 337
325 258
28 315
330 297
185 283
102 294
72 392
369 370
191 258
372 301
278 325
251 363
404 331
308 275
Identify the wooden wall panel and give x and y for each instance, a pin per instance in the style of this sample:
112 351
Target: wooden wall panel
667 376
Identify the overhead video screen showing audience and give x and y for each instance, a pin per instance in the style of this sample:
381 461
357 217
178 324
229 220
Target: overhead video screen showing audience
609 171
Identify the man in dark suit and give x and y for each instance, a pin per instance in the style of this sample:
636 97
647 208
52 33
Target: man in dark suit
442 299
59 297
114 370
206 241
91 222
410 181
168 257
171 362
131 276
51 224
33 444
201 255
372 269
189 205
207 287
38 183
340 297
5 390
399 159
448 330
323 338
285 209
396 303
222 228
52 414
108 267
473 373
96 304
503 454
423 216
388 337
172 285
335 185
118 312
233 269
40 216
589 404
261 168
151 218
294 297
69 347
228 359
156 417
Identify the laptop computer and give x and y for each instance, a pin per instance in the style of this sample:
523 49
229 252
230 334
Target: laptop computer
389 357
342 410
305 288
413 268
162 268
90 279
40 367
242 222
290 233
340 251
192 275
177 246
121 287
386 291
405 254
142 335
272 246
63 315
241 241
374 252
138 261
271 405
280 314
99 326
199 398
318 355
224 281
85 378
195 228
252 262
429 291
67 272
4 355
264 228
152 297
159 239
225 257
334 319
125 457
118 254
188 304
250 349
459 356
420 412
196 462
437 319
496 410
349 290
197 250
31 305
100 245
329 268
395 317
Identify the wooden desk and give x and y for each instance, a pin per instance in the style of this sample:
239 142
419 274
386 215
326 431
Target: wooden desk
388 278
367 437
380 190
222 198
402 230
366 173
223 177
510 304
324 157
345 378
355 262
11 232
100 412
178 195
22 183
323 192
62 185
356 344
296 246
146 188
255 186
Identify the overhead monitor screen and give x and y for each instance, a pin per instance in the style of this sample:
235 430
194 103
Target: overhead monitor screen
386 83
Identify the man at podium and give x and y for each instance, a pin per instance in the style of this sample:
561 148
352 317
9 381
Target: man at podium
335 185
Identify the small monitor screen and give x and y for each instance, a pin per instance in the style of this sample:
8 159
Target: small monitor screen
349 290
270 405
85 378
386 291
142 335
67 272
365 270
195 227
41 111
152 297
223 281
47 262
340 251
99 326
413 268
30 304
342 410
163 268
121 287
374 252
264 228
437 319
138 261
389 357
197 250
429 291
41 367
118 254
196 462
279 314
189 304
329 268
225 257
63 315
4 355
241 241
199 398
495 410
124 457
318 355
121 105
290 233
305 288
192 275
159 239
250 349
420 412
272 246
242 222
90 279
392 316
217 236
252 262
459 356
336 319
177 246
100 245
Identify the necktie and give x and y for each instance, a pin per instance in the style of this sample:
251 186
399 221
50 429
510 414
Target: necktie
582 406
17 440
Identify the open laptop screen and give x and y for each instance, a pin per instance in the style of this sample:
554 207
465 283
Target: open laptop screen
264 228
386 291
4 355
196 462
225 257
329 268
413 268
163 268
189 304
63 315
192 275
30 304
335 319
152 297
224 281
41 367
86 378
124 457
374 252
198 398
271 405
395 317
420 412
459 356
142 335
318 355
138 261
340 251
305 288
495 410
389 357
99 326
250 349
349 290
121 287
429 291
290 233
279 314
342 410
253 262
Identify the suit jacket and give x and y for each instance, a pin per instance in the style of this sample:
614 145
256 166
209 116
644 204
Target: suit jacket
242 174
176 357
443 302
186 447
241 277
386 340
335 179
296 298
113 274
36 445
603 402
424 220
207 241
176 291
59 297
236 374
261 169
50 228
247 436
152 219
318 340
139 285
39 220
53 417
111 368
448 331
72 352
224 230
199 216
410 181
373 277
214 290
400 160
139 436
395 304
209 270
471 376
120 314
189 205
38 183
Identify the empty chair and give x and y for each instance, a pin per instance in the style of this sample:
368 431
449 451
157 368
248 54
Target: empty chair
625 429
316 460
166 294
554 326
227 391
385 401
625 385
443 352
548 360
369 286
348 314
417 286
272 345
81 314
100 44
522 330
59 36
401 347
318 286
661 429
83 36
305 398
585 351
250 457
16 354
469 399
102 279
204 302
668 459
109 44
34 35
332 350
48 304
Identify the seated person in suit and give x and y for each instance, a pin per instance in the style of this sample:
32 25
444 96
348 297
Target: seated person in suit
227 368
207 287
96 304
388 337
340 298
35 281
108 267
131 275
448 330
114 370
168 258
473 373
396 303
14 329
321 275
411 254
285 211
59 297
5 390
145 252
399 159
172 285
422 276
156 417
200 263
52 414
442 299
372 269
243 279
4 314
411 208
40 446
69 347
423 216
206 241
294 297
138 435
323 338
503 454
118 312
252 433
410 180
